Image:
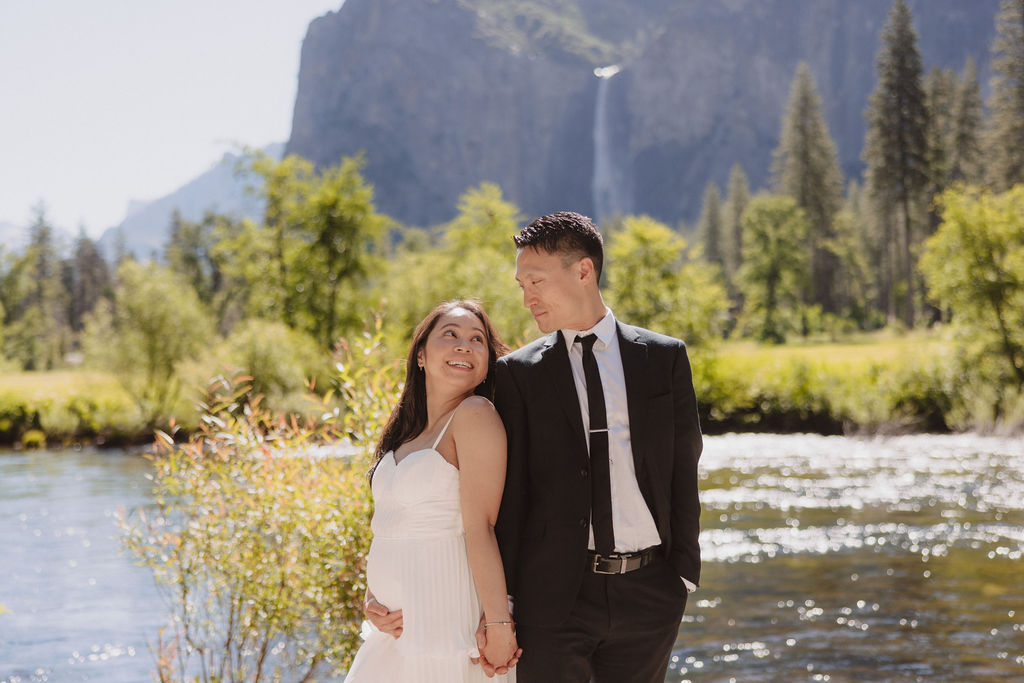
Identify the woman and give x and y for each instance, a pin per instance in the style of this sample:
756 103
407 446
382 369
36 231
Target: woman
433 570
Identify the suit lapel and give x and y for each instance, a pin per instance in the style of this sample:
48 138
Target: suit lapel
634 361
554 368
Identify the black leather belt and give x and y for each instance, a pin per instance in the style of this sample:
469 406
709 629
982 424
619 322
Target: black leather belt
622 563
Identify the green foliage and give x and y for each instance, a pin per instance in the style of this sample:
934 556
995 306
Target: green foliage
654 282
67 406
736 200
1004 146
806 168
974 266
280 363
316 247
154 323
476 260
710 231
896 154
905 384
774 269
259 535
34 303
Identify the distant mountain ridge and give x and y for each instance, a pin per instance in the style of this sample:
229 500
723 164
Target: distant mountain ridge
146 228
445 94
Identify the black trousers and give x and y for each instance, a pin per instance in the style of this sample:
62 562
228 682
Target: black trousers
621 630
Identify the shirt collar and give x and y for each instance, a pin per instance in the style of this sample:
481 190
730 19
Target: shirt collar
605 329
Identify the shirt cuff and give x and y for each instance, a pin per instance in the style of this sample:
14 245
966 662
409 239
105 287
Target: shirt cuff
690 586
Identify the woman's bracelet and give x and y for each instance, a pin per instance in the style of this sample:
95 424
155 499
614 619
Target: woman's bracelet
497 623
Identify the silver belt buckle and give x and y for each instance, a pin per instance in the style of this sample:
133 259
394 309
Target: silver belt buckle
622 564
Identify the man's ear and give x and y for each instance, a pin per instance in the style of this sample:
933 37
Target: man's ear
586 267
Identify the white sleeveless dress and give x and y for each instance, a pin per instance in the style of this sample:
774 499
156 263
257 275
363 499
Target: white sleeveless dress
417 563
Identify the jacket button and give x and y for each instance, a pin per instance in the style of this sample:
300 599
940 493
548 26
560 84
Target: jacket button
583 521
583 473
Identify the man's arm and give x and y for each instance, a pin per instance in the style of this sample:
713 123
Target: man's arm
685 512
512 408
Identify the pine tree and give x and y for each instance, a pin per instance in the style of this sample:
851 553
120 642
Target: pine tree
736 200
709 226
896 150
964 163
1005 136
88 280
806 168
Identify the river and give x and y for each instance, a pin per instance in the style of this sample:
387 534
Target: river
826 559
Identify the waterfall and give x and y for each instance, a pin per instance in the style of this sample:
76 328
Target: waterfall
606 184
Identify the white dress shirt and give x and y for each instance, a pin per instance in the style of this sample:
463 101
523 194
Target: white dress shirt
632 522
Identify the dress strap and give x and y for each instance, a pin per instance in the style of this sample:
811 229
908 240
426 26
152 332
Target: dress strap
445 428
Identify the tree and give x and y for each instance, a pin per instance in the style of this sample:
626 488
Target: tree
654 281
736 200
88 280
775 263
315 246
806 168
896 151
709 227
974 264
154 323
965 147
345 233
35 302
1005 136
472 256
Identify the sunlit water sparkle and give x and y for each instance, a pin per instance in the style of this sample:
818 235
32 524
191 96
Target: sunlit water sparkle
826 559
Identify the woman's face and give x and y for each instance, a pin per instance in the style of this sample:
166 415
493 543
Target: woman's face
456 351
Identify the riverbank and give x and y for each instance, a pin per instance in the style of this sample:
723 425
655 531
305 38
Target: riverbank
882 383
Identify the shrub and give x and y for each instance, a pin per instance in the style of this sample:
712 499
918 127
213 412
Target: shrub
260 531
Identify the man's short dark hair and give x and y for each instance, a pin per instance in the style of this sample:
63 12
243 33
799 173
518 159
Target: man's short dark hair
568 234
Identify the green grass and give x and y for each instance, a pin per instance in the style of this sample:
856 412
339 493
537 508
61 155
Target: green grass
66 406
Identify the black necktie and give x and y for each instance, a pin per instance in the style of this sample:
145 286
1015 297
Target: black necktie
600 478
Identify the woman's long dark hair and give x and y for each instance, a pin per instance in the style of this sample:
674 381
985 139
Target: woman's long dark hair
409 418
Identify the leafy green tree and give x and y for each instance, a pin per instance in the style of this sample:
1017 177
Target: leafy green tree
896 152
190 252
654 281
775 265
155 322
806 168
345 235
974 264
1005 136
316 246
709 227
736 199
475 258
277 246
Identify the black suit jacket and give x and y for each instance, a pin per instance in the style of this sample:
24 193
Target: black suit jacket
543 524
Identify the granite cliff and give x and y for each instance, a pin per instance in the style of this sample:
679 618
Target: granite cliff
444 94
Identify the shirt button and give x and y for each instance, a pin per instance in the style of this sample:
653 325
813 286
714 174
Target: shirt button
583 521
583 474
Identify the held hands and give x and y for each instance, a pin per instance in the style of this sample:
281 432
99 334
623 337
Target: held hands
385 620
499 651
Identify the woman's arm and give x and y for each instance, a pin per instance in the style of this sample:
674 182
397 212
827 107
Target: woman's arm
480 449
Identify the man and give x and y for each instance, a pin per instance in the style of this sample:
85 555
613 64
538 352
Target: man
599 520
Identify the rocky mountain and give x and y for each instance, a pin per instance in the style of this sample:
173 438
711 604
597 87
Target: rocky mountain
146 228
444 94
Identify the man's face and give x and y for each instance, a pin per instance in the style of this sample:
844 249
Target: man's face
553 291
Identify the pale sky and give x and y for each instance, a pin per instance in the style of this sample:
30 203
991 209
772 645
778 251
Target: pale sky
105 101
